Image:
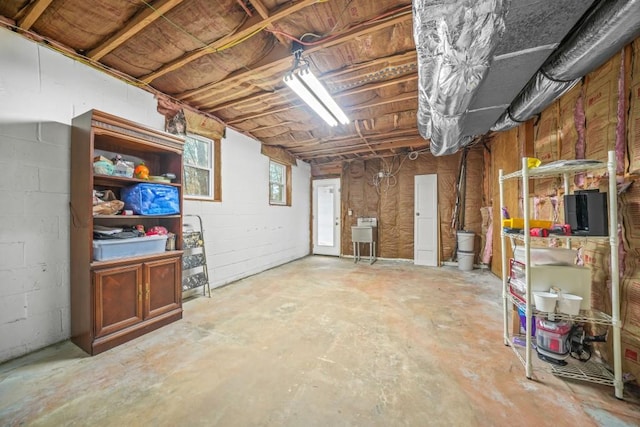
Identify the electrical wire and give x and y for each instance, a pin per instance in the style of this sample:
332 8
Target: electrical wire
387 176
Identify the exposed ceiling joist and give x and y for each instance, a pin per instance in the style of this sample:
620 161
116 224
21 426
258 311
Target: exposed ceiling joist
283 61
141 20
404 60
351 139
264 13
334 165
252 26
260 8
287 104
397 59
261 66
257 98
384 101
33 13
363 52
371 104
362 148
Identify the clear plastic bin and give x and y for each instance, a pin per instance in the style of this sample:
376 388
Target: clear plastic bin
546 256
124 248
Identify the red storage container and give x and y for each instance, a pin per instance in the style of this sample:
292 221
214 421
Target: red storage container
553 336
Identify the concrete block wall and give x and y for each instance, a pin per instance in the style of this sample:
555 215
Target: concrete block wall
34 236
245 235
40 92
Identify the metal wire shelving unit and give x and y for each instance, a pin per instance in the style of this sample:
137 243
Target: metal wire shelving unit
590 371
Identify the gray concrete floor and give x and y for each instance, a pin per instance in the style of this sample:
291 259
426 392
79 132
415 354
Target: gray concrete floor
317 342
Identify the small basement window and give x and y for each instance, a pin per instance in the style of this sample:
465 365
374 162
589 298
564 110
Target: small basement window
279 184
201 168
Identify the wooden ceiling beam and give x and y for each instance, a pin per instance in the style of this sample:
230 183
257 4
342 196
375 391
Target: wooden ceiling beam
264 13
260 98
398 60
288 105
384 101
252 26
260 8
244 7
333 160
403 141
256 98
339 140
358 149
283 62
284 139
136 24
203 92
261 128
32 14
343 140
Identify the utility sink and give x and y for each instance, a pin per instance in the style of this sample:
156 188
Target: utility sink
366 231
362 234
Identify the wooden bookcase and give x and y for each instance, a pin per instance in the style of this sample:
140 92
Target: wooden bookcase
114 301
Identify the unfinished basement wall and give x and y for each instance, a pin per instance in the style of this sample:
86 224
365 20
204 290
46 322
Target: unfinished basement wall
392 200
243 234
41 92
600 114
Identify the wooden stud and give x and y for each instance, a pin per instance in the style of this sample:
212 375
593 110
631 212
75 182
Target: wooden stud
36 9
282 61
251 26
139 22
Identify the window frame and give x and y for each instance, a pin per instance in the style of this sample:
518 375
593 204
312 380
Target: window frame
213 168
286 186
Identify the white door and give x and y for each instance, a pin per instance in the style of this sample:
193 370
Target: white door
425 234
326 217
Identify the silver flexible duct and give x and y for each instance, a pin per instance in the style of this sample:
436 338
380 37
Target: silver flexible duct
609 27
455 42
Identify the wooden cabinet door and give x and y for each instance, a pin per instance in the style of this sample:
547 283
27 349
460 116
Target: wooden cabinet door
162 287
118 298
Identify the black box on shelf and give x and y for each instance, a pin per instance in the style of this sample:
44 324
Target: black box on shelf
586 212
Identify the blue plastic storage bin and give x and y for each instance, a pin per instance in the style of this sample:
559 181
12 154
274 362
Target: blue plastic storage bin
151 199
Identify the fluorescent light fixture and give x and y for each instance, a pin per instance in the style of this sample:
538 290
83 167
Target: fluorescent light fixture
309 88
301 90
316 87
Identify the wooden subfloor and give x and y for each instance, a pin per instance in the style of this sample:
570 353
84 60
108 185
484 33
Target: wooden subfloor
318 342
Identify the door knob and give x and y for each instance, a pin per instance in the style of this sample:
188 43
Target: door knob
417 213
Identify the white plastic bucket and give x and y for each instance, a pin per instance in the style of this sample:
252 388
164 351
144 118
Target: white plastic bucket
465 241
465 260
545 301
569 304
